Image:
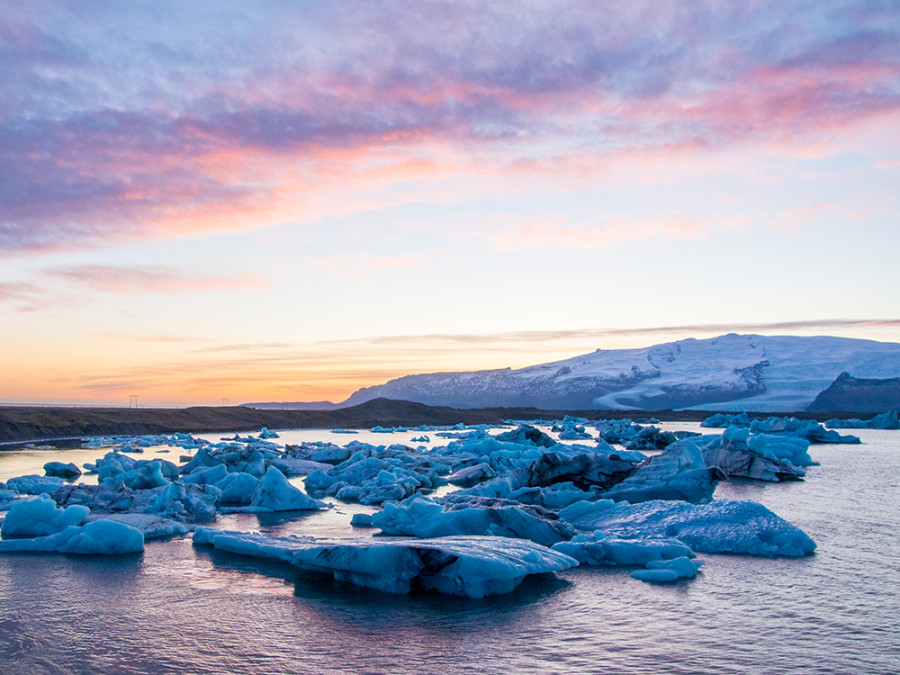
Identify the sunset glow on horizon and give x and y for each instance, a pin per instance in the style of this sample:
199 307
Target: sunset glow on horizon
229 202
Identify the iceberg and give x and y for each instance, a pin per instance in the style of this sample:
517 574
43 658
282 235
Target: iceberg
598 549
679 472
667 571
808 429
472 567
472 475
149 525
526 435
98 537
368 479
40 516
424 517
721 526
760 457
275 493
725 420
238 489
62 470
650 438
584 471
885 420
33 484
192 502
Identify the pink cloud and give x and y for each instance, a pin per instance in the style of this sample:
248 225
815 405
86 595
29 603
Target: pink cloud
793 219
24 296
151 279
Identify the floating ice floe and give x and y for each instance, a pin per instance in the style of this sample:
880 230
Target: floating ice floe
149 525
38 524
808 429
33 484
885 420
98 537
421 516
62 470
526 435
275 493
322 452
585 471
677 473
737 453
598 549
472 567
667 571
721 526
39 517
376 475
650 438
617 431
571 429
725 420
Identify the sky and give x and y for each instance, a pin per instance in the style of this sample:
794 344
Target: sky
213 203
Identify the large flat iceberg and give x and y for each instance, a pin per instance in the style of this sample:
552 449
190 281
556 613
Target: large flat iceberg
722 526
473 567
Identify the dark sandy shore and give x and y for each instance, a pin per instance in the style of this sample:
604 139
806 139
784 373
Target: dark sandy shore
20 423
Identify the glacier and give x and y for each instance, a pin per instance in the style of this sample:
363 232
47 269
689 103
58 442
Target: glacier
730 372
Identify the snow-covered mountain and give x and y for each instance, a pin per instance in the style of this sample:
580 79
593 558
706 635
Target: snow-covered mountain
731 372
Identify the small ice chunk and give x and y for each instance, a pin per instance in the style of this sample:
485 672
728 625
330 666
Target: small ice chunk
62 470
667 571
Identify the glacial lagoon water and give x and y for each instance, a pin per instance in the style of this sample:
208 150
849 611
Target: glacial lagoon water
180 609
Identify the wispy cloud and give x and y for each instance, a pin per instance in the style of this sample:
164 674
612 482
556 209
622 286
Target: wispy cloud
552 336
151 279
24 296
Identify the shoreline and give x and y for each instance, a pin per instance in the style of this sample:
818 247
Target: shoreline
28 424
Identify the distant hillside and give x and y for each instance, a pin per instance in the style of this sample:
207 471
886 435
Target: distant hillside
731 373
864 395
32 423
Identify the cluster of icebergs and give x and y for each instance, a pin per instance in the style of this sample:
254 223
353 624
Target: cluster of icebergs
885 420
811 430
524 503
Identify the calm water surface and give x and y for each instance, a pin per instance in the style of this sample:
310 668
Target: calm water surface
175 608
